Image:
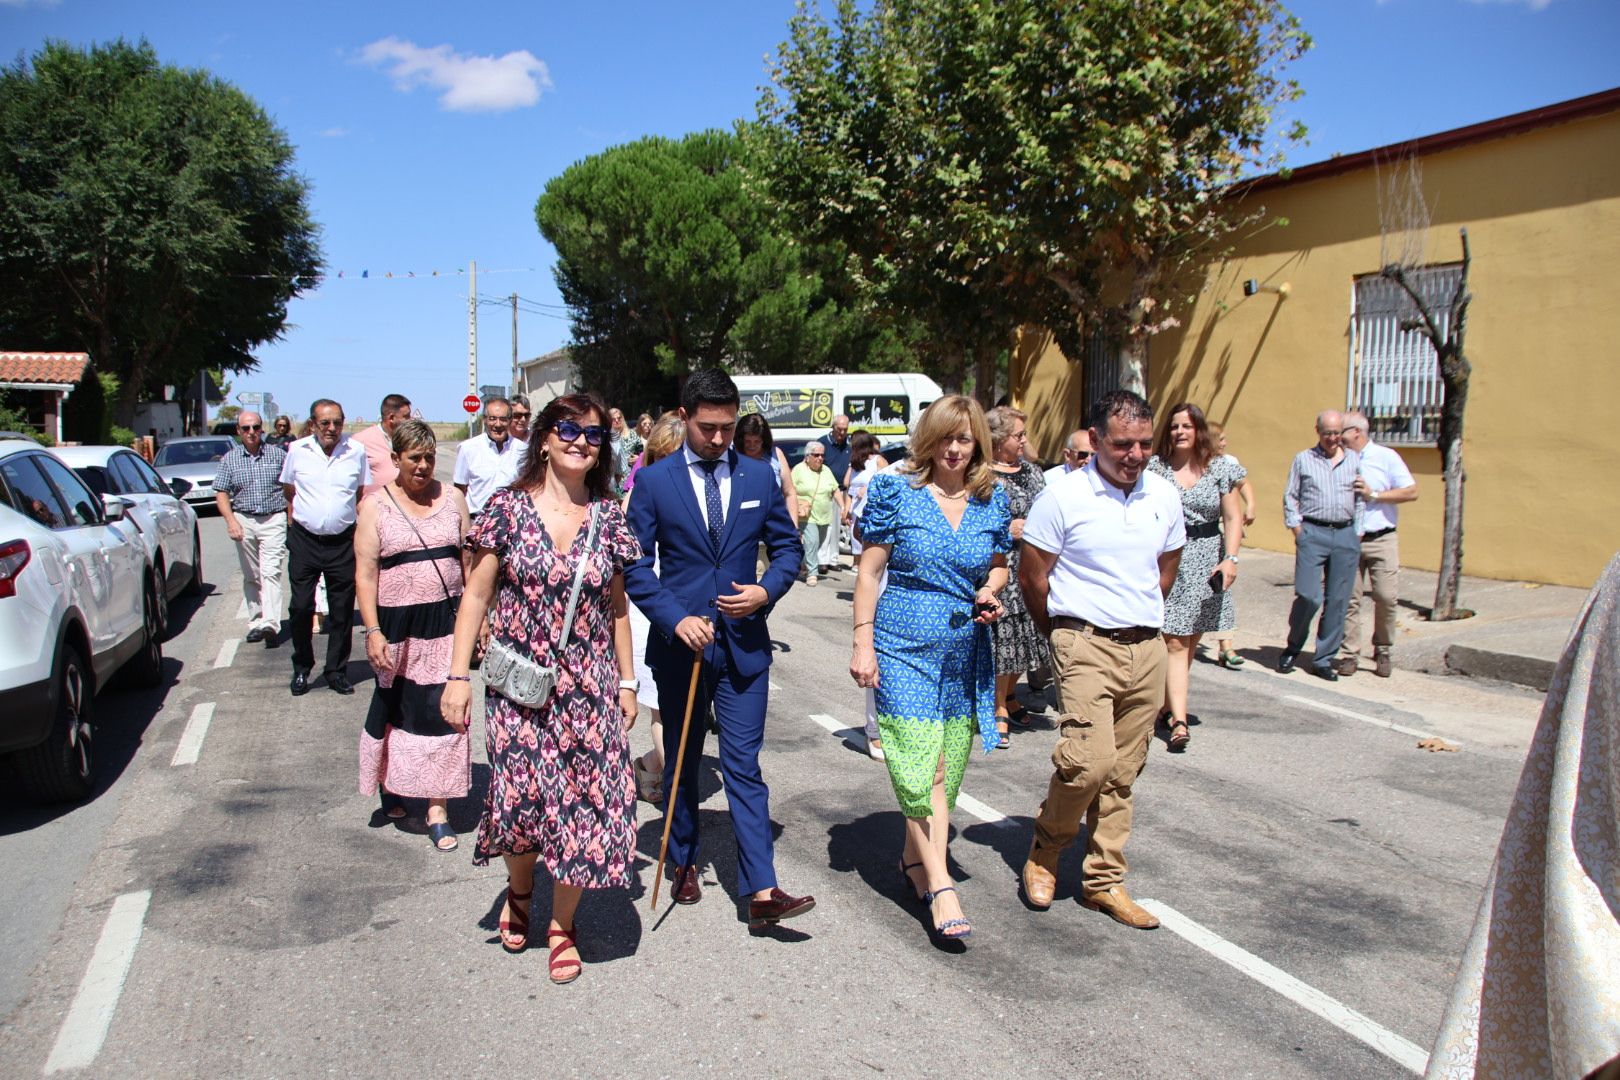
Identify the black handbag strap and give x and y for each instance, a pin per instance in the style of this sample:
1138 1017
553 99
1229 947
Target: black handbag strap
421 540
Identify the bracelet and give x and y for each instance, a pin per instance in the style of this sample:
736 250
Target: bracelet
868 622
458 678
373 630
632 685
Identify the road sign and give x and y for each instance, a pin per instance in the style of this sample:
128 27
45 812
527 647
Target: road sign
490 391
251 400
471 403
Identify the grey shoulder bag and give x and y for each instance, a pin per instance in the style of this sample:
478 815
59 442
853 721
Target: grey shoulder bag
520 679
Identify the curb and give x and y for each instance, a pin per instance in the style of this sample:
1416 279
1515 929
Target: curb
1483 664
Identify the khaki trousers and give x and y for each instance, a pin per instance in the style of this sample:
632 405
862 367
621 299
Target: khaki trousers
1109 695
1380 567
262 551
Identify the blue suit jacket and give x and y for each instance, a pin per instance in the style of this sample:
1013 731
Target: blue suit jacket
666 518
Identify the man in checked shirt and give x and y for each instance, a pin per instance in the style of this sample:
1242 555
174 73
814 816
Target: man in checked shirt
247 490
1319 507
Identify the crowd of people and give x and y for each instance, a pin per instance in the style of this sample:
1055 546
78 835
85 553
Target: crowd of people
589 567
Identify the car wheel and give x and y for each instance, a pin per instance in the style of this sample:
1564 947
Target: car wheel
145 668
58 769
160 589
194 587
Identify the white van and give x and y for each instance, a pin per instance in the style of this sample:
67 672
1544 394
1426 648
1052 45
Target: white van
801 407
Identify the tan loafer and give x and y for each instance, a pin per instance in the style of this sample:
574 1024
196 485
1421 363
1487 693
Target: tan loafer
1040 883
1118 905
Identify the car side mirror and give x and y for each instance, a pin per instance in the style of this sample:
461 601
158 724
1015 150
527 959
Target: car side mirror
180 486
113 508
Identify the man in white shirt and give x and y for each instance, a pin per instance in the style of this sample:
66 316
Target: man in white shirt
1101 549
489 461
1383 484
323 477
1076 452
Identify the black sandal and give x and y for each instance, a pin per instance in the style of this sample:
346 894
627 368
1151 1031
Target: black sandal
1179 736
1003 737
905 875
939 931
1018 714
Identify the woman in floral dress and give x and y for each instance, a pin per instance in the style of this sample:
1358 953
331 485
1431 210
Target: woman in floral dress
1200 602
1020 648
560 789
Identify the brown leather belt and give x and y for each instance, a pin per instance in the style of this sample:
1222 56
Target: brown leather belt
1125 635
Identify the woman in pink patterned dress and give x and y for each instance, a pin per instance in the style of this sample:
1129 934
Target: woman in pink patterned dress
408 574
560 787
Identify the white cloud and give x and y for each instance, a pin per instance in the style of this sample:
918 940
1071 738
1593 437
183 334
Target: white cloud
1533 5
469 83
334 133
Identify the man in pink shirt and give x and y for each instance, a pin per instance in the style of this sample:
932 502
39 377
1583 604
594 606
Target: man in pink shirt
379 441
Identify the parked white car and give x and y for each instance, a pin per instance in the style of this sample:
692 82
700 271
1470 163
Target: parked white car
78 601
194 461
168 524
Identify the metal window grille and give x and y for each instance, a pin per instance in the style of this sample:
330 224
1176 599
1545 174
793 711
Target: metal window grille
1394 374
1105 369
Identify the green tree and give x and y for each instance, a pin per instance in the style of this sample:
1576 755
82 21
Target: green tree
149 215
1020 159
669 261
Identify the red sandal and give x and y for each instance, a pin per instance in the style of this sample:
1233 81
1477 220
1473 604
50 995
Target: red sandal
566 941
515 929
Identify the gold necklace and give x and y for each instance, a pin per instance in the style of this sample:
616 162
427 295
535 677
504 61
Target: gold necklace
936 489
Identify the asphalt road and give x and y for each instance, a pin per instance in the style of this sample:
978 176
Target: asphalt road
292 931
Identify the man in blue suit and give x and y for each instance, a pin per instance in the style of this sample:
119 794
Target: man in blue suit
702 513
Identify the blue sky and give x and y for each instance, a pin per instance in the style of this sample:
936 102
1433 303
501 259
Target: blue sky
427 131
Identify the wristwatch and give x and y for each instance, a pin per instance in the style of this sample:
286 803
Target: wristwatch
1231 558
632 685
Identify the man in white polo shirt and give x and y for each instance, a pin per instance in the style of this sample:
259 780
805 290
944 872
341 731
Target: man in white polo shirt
1382 485
322 477
1101 548
489 461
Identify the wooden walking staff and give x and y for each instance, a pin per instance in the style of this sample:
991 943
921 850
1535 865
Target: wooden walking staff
675 781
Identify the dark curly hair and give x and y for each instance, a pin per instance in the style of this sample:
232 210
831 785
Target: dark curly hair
578 407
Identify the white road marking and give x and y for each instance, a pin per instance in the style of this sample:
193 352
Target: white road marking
191 739
85 1028
774 687
242 611
983 811
832 724
1352 715
227 652
1407 1054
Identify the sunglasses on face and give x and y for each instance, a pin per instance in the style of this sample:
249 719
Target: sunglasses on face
328 423
520 416
249 427
568 431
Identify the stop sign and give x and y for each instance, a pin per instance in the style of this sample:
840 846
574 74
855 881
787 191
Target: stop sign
470 403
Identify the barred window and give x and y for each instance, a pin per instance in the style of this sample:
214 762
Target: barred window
1394 375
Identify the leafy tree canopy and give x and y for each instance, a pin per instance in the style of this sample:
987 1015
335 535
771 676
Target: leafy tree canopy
669 261
1027 151
149 215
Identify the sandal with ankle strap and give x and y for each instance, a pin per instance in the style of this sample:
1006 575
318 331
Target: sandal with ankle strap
1230 659
515 928
1179 735
565 940
905 876
940 932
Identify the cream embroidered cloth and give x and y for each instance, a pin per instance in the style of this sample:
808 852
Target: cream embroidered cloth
1538 992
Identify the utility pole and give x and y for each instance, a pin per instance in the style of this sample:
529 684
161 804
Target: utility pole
472 336
514 345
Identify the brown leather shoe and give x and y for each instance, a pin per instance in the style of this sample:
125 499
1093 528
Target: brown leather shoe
687 889
1383 666
1039 880
1347 665
780 906
1118 905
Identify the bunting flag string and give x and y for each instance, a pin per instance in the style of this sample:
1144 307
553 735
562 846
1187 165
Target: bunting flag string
367 275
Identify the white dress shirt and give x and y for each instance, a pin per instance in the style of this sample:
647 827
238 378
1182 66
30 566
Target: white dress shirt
1107 544
698 475
1383 469
485 468
325 486
1057 472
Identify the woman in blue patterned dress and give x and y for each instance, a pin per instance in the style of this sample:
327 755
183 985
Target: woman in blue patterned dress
939 526
1200 602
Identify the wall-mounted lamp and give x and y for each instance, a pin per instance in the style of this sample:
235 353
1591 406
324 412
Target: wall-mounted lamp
1252 286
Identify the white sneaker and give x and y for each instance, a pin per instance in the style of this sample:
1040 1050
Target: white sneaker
811 581
874 749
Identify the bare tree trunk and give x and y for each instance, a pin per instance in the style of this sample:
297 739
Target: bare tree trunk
1136 335
1451 544
984 375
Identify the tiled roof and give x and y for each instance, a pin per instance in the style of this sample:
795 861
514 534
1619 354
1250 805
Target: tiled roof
43 367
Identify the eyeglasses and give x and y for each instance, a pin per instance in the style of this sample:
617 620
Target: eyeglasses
568 431
249 427
328 423
1330 432
520 416
815 455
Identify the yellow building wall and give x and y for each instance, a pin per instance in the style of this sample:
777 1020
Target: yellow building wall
1542 210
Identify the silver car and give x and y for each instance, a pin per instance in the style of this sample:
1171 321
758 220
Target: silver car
195 461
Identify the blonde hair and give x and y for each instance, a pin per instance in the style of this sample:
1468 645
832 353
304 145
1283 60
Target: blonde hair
664 438
945 417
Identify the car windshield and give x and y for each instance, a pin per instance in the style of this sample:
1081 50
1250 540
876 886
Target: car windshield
94 477
193 452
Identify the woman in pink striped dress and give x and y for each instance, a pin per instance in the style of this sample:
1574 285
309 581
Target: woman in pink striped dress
408 580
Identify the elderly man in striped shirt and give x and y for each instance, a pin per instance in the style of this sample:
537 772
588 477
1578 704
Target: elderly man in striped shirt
1319 507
